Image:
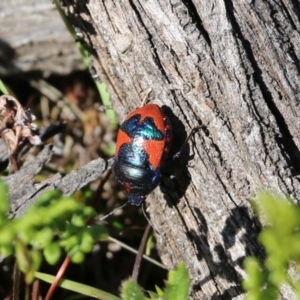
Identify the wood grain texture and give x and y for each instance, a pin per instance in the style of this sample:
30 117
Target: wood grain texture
231 67
23 190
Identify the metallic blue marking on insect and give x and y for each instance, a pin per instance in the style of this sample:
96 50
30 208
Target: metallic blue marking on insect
149 131
129 126
145 129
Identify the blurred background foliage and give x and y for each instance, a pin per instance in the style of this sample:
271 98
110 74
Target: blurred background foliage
280 237
73 113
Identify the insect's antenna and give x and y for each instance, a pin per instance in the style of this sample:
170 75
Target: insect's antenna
112 212
145 215
178 154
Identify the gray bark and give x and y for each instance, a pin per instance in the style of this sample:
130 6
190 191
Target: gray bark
231 68
33 37
23 190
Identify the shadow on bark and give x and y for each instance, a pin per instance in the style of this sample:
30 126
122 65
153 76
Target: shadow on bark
175 175
238 226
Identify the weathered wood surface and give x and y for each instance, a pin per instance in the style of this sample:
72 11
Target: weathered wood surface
231 67
33 37
23 190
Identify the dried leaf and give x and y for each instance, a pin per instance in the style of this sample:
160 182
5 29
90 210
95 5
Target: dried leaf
16 124
10 140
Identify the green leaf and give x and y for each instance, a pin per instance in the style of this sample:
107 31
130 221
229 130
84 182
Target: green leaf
153 295
52 253
42 238
7 235
4 199
98 232
22 257
70 242
3 88
35 262
87 242
78 287
6 250
77 257
280 237
131 291
78 220
105 97
89 212
149 245
178 284
256 277
159 291
46 199
64 208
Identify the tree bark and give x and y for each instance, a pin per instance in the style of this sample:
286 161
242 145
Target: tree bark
231 67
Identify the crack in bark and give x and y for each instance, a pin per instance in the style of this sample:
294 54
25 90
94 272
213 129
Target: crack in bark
288 145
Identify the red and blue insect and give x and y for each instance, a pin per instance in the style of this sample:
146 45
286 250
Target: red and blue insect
143 142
